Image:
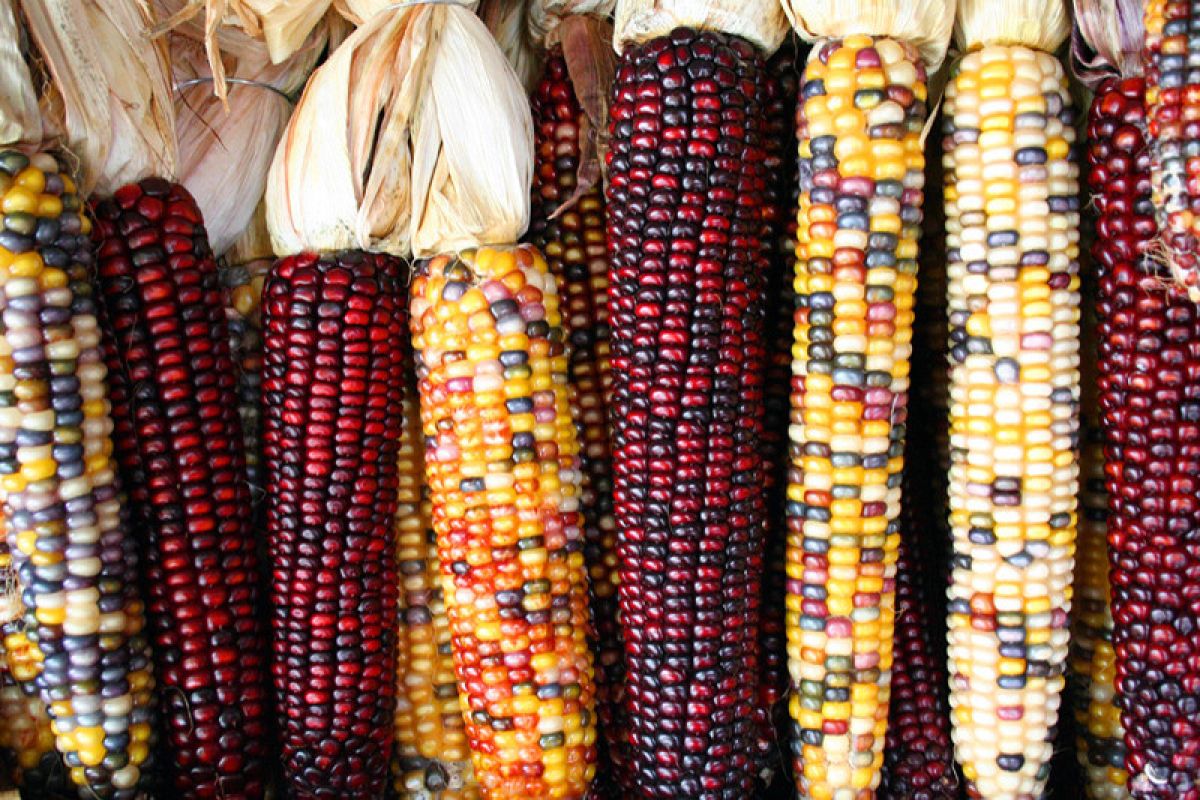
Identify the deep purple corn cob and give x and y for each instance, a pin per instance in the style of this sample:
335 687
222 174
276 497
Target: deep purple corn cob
685 221
573 242
178 441
335 354
1149 334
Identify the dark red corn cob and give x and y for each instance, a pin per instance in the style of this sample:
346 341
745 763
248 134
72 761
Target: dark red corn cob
1149 336
685 222
918 753
178 441
573 242
335 354
781 84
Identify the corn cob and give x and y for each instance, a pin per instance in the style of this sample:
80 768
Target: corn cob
431 758
918 754
781 87
333 380
179 444
1172 101
26 738
685 225
1149 335
573 243
67 535
859 127
1013 298
1092 665
243 285
502 463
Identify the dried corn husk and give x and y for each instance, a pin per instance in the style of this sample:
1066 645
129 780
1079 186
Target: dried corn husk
1107 39
925 24
20 117
282 24
760 21
414 137
582 29
255 242
1038 24
114 107
545 16
232 143
506 19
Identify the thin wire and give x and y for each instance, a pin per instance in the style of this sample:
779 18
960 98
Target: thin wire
179 87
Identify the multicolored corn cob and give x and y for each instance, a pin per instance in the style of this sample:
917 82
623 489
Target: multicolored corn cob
503 468
1172 45
861 179
67 534
918 754
685 198
573 242
26 738
431 760
1149 334
335 355
1091 673
243 285
1012 219
180 447
781 89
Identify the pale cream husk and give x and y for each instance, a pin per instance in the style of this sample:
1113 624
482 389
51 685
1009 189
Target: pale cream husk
544 16
226 148
282 24
760 21
359 11
1038 24
255 242
413 138
925 24
506 19
117 116
20 118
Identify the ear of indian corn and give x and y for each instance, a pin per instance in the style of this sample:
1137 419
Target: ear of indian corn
1011 195
1092 666
243 284
1149 336
573 242
685 226
502 463
861 178
335 354
179 444
1172 44
918 754
431 760
781 88
67 533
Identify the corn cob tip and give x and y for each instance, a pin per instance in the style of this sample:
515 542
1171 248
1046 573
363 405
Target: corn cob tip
925 24
1037 24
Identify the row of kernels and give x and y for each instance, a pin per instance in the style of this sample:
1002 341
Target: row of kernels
243 284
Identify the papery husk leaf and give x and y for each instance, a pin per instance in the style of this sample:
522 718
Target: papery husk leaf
356 12
114 83
544 16
925 24
1107 39
760 21
20 117
506 19
591 63
255 242
414 138
1037 24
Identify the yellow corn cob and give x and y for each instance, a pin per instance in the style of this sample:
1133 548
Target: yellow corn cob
431 759
502 463
1012 259
860 122
1099 734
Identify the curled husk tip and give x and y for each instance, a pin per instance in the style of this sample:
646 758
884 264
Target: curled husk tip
545 16
1107 39
760 21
